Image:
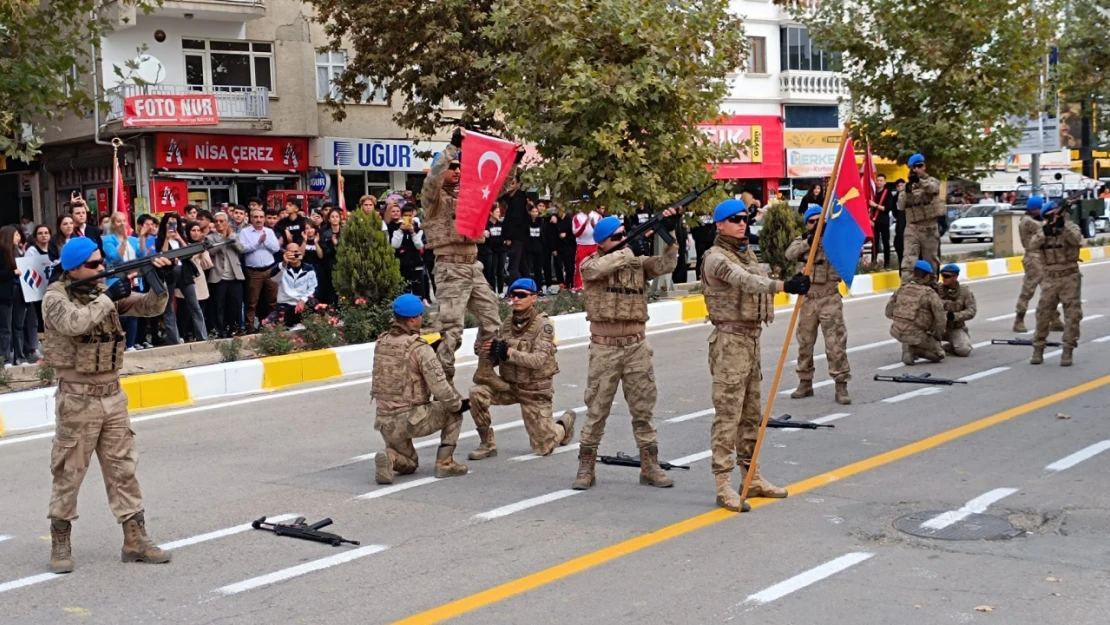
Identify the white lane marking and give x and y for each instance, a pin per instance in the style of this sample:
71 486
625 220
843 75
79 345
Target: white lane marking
807 578
983 374
826 419
300 569
687 417
185 542
980 344
1102 339
1001 317
852 350
701 455
28 581
815 385
396 488
558 450
4 537
921 392
513 508
896 365
975 506
1054 353
1079 456
1090 318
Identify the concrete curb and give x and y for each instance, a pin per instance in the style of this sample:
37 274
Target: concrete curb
33 409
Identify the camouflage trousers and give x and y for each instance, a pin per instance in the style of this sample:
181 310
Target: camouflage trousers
629 365
399 429
535 409
923 344
85 424
460 288
1060 288
826 312
922 242
959 341
1034 273
734 363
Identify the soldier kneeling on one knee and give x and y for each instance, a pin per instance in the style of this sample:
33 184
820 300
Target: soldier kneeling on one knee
959 306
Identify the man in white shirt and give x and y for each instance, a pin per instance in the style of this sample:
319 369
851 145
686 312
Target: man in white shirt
259 246
583 224
296 284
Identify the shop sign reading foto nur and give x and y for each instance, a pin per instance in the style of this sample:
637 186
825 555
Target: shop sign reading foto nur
170 110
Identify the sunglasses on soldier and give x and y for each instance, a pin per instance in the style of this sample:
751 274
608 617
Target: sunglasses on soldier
93 264
812 221
948 275
453 166
617 237
738 219
520 294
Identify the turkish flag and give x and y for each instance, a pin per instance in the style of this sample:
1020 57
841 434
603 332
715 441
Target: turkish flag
486 162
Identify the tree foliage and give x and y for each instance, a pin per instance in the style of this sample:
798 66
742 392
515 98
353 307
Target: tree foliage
781 225
1083 72
935 77
365 264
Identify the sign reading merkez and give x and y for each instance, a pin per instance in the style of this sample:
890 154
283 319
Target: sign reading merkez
230 152
170 110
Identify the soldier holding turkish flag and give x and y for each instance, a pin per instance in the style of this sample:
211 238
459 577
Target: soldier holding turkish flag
454 216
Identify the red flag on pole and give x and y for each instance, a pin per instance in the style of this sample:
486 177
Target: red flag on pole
339 184
486 162
870 193
119 192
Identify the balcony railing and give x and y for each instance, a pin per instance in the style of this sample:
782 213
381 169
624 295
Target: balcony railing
232 103
812 84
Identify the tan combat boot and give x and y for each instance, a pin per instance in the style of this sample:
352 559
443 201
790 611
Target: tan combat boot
587 457
137 546
445 463
728 498
842 396
760 487
907 355
1038 356
486 376
567 421
1057 325
650 473
805 389
61 554
488 448
383 463
1065 358
1019 323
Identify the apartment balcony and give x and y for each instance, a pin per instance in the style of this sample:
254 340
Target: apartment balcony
240 109
811 87
127 14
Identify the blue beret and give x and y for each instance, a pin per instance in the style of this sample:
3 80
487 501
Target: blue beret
812 211
915 159
1049 207
525 284
950 268
924 265
606 227
408 305
728 208
1035 203
76 251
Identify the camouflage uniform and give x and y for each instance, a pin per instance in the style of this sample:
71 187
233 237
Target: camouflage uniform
1062 285
84 342
922 206
919 320
616 307
460 282
529 371
960 301
406 377
1033 264
822 307
739 300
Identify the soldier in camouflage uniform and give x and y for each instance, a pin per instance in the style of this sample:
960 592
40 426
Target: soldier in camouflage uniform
922 204
1032 263
84 343
460 282
959 307
919 316
740 299
407 375
1059 241
528 365
822 308
616 307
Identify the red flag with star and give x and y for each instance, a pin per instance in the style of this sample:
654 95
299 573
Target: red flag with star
486 162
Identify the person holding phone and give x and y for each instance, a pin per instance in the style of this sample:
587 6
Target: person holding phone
120 248
408 240
169 238
81 226
329 242
296 284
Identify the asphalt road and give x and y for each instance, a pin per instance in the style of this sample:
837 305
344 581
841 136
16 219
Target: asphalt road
509 543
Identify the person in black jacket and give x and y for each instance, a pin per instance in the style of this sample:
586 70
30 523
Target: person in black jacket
815 195
493 250
329 241
881 209
565 248
704 234
408 239
899 220
81 226
538 258
13 309
681 232
642 246
515 233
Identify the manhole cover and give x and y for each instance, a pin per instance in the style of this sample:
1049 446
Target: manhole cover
970 527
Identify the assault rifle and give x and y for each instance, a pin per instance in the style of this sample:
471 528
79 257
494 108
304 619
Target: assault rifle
145 266
785 422
298 529
924 378
1025 342
662 225
624 460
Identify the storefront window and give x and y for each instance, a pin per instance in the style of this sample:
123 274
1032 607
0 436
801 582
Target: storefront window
228 64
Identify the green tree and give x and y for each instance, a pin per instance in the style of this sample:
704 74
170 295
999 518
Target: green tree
1084 53
781 225
365 265
940 78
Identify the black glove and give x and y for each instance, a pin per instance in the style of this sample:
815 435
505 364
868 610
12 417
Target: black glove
951 316
810 235
670 223
499 351
1050 229
435 344
119 289
465 406
798 285
519 157
914 178
456 138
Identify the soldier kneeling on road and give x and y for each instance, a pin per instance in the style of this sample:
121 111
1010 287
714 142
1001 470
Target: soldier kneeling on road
526 356
407 374
959 306
918 315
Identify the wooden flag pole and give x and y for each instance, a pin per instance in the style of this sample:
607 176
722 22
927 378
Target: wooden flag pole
794 316
116 175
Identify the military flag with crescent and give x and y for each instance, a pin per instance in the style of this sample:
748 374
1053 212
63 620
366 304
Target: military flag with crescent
486 163
847 223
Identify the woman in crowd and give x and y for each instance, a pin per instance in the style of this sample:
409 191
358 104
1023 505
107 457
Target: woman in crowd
169 238
13 309
329 243
815 195
225 277
313 248
105 224
538 258
121 248
192 287
494 251
39 246
63 231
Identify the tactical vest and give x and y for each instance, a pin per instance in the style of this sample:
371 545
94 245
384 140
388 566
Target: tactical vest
908 306
526 340
1027 228
394 378
921 212
1057 251
727 303
619 296
99 351
823 271
440 230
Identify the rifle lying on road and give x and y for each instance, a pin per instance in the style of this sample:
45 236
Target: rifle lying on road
662 225
1025 342
785 422
624 460
298 529
145 268
924 378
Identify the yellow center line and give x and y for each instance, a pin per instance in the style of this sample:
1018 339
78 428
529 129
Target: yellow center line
632 545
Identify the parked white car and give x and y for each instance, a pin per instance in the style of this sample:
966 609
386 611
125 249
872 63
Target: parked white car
976 222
